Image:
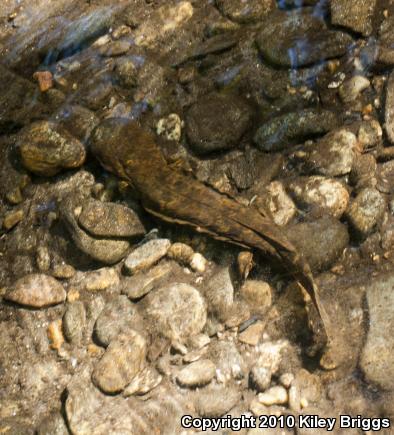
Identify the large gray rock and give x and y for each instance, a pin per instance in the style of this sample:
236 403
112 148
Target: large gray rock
295 39
357 15
377 360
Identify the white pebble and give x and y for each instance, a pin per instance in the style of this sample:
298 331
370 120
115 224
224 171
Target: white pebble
274 396
198 263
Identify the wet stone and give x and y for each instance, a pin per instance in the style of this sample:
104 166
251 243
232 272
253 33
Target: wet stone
104 250
78 120
294 127
322 242
275 201
126 71
274 396
145 381
12 218
110 220
297 39
117 317
197 374
220 293
363 173
322 195
366 211
377 360
215 402
146 255
216 123
257 293
352 88
333 155
141 284
244 12
177 311
74 321
96 280
116 48
385 177
46 149
229 362
37 291
123 359
356 15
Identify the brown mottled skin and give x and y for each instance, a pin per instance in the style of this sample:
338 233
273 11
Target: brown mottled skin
131 153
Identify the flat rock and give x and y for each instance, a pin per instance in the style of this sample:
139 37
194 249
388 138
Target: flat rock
46 148
366 211
146 255
332 155
217 122
245 12
356 15
118 316
377 359
139 285
78 120
177 310
123 359
294 127
37 291
197 374
323 195
108 219
295 39
322 242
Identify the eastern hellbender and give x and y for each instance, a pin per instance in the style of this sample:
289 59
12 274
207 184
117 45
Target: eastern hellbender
130 152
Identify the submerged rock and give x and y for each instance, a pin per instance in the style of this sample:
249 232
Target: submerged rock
110 220
377 359
217 122
244 12
322 195
366 211
389 113
146 255
37 291
322 242
123 359
294 127
295 39
46 149
177 311
357 15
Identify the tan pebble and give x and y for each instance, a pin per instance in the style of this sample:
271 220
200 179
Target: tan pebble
55 334
294 399
12 218
274 396
14 196
73 295
252 334
94 350
304 402
181 253
198 263
286 379
44 79
245 263
63 271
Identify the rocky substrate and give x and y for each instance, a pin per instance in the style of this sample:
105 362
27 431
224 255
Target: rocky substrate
114 322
